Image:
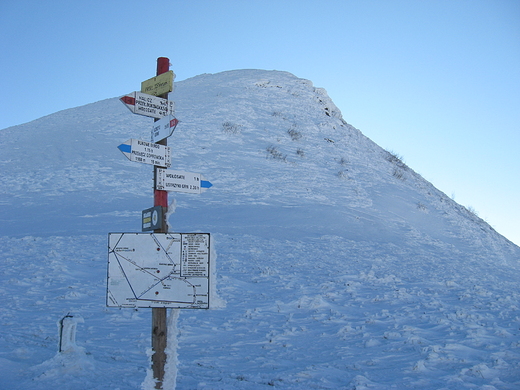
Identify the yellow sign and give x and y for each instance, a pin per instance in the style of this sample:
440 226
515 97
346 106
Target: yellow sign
158 85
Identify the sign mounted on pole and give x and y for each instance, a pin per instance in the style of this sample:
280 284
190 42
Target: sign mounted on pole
148 105
146 152
163 128
158 85
152 218
170 270
180 181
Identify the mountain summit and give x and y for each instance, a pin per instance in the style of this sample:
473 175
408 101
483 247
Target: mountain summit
341 266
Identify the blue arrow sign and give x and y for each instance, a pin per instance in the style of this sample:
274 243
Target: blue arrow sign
125 148
180 181
146 152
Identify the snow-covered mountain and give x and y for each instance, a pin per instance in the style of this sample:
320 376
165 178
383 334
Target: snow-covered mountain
341 267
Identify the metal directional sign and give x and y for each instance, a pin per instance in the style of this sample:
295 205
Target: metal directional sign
180 181
146 152
163 128
159 270
148 105
158 85
152 218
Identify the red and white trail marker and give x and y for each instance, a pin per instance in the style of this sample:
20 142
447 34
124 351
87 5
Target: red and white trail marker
148 105
163 128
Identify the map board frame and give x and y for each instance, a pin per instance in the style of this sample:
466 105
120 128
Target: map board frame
169 270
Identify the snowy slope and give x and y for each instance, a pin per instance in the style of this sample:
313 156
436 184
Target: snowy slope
341 267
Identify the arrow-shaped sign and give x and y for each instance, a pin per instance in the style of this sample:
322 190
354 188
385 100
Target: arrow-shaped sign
180 181
163 128
148 105
146 152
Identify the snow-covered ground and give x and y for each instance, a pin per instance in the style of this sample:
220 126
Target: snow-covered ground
340 267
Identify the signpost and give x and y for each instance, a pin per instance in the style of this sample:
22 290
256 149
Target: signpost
159 270
146 152
160 198
180 181
159 85
163 128
148 105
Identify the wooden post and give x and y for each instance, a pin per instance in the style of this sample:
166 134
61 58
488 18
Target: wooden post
159 340
159 324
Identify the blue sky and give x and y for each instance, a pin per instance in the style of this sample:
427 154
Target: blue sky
437 82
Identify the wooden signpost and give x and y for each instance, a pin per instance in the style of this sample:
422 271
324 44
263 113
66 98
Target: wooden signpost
180 261
159 317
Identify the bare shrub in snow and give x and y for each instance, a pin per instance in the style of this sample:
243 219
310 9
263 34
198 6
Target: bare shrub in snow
295 135
472 211
399 166
274 153
395 159
342 174
398 173
343 161
231 128
422 206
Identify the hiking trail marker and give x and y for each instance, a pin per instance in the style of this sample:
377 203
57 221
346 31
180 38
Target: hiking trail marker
146 152
163 128
159 85
152 218
148 105
180 181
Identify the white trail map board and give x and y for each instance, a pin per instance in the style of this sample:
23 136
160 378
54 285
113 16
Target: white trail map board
158 270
